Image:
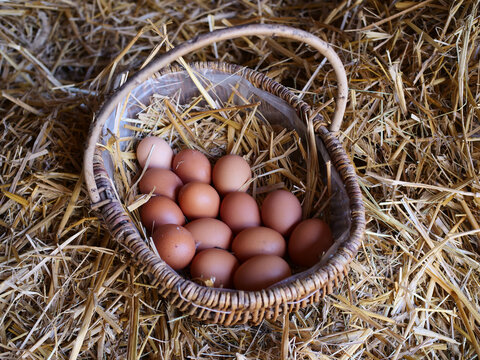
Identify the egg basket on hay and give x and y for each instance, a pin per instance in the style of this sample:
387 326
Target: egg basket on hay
281 109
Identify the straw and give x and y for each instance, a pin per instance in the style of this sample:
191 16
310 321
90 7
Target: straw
411 129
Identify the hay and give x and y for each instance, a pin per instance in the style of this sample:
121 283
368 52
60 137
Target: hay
411 128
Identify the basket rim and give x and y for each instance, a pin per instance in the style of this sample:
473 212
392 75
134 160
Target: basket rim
218 304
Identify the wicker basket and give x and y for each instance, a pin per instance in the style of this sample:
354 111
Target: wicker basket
347 218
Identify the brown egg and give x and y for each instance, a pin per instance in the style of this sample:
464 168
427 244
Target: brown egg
281 211
210 233
230 173
308 241
192 166
258 241
239 211
260 272
215 264
160 210
161 181
198 200
175 245
162 153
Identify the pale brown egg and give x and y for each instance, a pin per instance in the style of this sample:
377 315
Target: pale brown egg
161 181
260 272
308 241
281 211
239 211
162 153
192 166
258 240
199 200
210 233
160 210
230 173
215 264
175 245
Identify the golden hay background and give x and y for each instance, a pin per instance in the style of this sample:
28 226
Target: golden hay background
412 129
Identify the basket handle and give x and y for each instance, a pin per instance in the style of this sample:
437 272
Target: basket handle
199 42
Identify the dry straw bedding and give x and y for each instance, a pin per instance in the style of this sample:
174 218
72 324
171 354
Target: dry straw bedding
411 128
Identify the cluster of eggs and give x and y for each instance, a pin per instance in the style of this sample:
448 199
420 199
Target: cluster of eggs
228 239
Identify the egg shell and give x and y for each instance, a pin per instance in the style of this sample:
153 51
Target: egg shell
162 153
160 210
260 272
239 211
258 240
210 233
192 166
175 245
215 264
161 181
281 211
308 241
199 200
230 173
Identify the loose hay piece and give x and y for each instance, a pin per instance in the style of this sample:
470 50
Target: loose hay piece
411 293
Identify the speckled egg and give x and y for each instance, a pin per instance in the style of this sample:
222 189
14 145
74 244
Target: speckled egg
175 245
